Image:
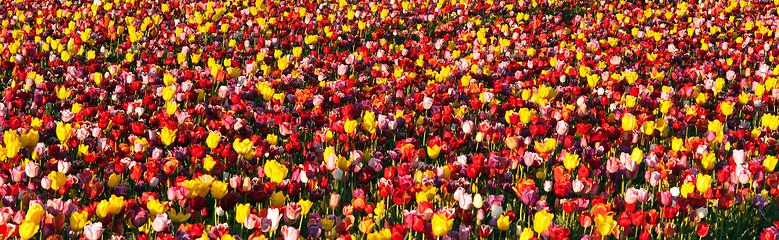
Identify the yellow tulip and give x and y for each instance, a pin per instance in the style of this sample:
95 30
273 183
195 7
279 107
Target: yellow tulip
218 189
28 230
503 222
114 180
526 234
433 151
350 126
770 121
305 206
369 122
628 122
63 92
283 63
604 224
441 225
29 139
242 146
35 214
168 136
727 107
58 179
63 131
12 143
677 144
709 161
272 139
209 163
241 211
102 209
637 155
213 139
115 204
178 217
278 199
275 171
648 127
571 161
156 207
542 220
78 220
665 106
703 182
770 163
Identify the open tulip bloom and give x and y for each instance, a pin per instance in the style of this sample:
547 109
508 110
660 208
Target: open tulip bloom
392 119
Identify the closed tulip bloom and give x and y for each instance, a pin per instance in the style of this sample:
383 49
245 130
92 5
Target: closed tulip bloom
703 183
78 220
241 211
770 163
542 220
629 122
93 231
212 141
161 222
28 229
218 189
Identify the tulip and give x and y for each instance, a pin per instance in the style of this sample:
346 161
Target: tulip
503 223
161 222
63 131
241 211
212 141
178 217
433 151
218 189
275 171
168 136
526 234
571 161
12 143
35 214
709 161
93 231
290 233
28 229
727 107
628 122
605 224
542 220
703 183
441 224
78 220
770 163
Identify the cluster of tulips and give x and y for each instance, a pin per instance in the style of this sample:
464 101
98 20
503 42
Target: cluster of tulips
389 120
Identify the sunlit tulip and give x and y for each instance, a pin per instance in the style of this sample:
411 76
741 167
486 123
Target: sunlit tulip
441 225
542 220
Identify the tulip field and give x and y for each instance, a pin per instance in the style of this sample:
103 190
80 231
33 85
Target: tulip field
389 119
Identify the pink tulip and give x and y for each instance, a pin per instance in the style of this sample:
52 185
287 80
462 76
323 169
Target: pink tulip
666 198
561 128
93 231
290 233
32 169
160 223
